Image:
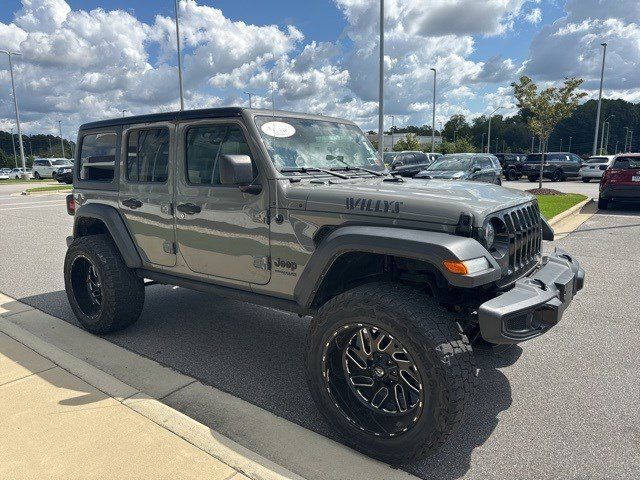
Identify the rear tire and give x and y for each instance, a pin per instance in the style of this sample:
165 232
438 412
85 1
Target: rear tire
586 179
37 176
531 178
497 181
105 295
557 176
442 362
603 203
512 175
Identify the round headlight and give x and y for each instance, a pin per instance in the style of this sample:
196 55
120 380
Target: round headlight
489 235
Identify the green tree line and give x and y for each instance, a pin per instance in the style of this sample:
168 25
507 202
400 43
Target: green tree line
39 145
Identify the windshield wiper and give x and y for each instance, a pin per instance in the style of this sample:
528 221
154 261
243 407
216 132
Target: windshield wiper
313 170
349 168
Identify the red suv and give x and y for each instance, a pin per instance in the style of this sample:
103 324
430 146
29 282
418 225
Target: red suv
621 181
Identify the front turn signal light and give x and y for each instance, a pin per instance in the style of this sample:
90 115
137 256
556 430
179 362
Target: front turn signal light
467 267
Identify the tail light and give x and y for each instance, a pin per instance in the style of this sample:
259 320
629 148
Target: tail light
71 205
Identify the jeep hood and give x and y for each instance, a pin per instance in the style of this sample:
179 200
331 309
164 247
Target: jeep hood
422 200
444 174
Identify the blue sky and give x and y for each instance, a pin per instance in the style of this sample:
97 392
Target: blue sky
80 63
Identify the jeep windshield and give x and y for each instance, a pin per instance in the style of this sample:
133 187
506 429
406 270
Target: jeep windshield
451 164
298 145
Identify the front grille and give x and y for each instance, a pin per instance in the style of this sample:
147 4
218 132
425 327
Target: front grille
525 235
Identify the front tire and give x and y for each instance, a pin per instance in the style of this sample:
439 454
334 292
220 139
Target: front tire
532 179
603 203
37 176
105 295
557 176
512 175
586 179
431 370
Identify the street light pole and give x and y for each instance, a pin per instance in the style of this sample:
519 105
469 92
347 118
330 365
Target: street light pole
630 141
433 122
602 133
13 144
606 139
381 86
595 136
482 148
570 139
61 140
489 130
626 138
123 112
15 105
250 95
393 124
179 59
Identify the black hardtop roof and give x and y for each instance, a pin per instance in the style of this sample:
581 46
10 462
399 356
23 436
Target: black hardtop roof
199 114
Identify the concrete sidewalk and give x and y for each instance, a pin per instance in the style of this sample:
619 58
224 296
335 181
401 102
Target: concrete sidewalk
55 425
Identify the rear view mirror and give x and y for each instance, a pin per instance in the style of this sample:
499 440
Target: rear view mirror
236 170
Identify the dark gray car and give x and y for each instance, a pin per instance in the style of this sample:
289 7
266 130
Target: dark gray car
558 166
296 212
409 163
465 166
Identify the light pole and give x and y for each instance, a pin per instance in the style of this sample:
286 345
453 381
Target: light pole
533 142
61 140
250 95
626 138
123 112
606 139
489 130
381 86
482 148
602 133
595 136
393 124
13 144
15 105
570 140
617 142
561 144
433 122
630 141
179 59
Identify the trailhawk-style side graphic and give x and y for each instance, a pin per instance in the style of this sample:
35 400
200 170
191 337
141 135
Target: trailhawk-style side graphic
296 212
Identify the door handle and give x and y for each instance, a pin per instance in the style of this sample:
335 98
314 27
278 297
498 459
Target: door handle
132 203
189 208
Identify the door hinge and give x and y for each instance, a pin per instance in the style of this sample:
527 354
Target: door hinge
170 247
262 263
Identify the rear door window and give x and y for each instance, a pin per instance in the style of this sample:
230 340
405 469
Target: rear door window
148 155
98 157
627 163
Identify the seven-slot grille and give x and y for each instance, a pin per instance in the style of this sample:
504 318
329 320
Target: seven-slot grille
525 235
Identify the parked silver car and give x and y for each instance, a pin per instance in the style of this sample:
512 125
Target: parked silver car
477 167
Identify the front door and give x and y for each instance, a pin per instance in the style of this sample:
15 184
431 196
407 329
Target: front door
146 190
221 230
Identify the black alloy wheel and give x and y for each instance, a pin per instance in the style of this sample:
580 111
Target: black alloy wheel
373 380
86 286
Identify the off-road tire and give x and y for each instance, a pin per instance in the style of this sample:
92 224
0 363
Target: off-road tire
122 289
586 179
433 338
603 203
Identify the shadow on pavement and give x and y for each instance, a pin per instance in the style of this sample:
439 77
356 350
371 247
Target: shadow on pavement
257 354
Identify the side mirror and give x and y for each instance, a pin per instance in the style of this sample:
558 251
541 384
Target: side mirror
236 170
476 169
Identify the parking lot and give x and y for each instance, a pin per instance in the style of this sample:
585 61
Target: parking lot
562 406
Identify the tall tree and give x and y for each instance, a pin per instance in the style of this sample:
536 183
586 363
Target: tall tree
456 127
548 107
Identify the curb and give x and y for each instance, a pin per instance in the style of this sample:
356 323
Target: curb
569 212
255 442
215 444
44 194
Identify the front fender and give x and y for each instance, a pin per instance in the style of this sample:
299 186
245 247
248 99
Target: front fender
431 247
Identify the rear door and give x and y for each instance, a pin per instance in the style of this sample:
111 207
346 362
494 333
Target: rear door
146 190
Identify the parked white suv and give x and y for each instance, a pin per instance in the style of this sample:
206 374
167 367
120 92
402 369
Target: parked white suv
595 167
17 173
48 167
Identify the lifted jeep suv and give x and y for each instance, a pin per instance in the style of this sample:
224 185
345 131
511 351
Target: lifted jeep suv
296 212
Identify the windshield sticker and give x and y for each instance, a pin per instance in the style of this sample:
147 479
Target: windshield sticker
278 129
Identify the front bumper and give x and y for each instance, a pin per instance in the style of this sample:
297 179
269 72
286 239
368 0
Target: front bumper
535 303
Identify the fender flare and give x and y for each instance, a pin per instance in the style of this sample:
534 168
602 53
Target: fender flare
431 247
117 228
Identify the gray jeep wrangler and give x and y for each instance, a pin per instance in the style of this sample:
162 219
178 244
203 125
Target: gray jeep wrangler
297 212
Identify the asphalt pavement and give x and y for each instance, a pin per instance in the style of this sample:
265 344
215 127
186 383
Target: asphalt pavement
565 405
